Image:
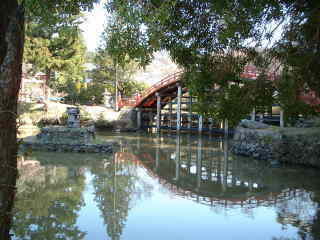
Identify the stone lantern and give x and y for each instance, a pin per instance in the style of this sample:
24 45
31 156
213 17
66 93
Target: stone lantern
73 117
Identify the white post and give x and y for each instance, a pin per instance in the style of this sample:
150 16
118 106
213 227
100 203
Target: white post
157 152
199 163
177 157
281 118
139 120
253 114
190 112
150 118
225 164
158 111
179 108
210 124
200 123
170 113
226 127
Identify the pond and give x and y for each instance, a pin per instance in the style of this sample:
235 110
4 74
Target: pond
163 187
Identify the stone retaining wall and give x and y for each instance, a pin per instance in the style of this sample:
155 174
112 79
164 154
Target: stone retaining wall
58 134
79 148
276 145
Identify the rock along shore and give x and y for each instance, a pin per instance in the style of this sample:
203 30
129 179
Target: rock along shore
69 147
288 145
63 139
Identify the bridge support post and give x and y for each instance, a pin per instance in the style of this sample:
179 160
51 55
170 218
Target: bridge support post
199 163
225 164
177 157
170 114
158 111
189 154
139 118
210 124
253 114
281 118
157 151
226 127
200 123
150 116
190 113
179 108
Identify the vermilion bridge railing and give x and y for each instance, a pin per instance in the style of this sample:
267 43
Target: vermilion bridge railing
250 72
136 100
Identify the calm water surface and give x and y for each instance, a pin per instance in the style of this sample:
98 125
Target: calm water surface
164 187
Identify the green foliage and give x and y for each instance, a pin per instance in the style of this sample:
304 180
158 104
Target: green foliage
106 70
50 12
57 50
42 206
53 42
288 97
214 40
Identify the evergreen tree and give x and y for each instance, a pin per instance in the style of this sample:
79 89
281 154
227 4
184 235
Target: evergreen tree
56 50
45 210
106 69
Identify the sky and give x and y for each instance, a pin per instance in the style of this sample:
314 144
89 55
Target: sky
93 25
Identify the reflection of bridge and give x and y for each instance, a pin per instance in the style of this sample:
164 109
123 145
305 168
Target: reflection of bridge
209 176
168 105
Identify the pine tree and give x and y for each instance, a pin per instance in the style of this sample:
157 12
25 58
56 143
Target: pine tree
55 49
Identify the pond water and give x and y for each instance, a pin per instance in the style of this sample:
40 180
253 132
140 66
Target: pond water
163 187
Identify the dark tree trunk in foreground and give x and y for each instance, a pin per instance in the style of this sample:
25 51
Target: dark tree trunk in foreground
11 51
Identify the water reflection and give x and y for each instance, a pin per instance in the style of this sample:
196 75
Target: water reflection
116 188
7 194
204 172
158 181
48 200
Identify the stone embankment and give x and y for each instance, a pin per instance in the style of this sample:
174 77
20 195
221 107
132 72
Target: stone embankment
63 139
288 145
70 147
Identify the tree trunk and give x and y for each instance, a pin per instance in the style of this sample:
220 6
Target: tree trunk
47 82
11 51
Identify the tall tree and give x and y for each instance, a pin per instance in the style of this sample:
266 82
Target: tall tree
105 70
55 48
12 19
11 51
44 210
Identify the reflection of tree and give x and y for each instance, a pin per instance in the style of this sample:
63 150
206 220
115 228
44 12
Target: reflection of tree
315 229
48 206
7 195
116 187
299 211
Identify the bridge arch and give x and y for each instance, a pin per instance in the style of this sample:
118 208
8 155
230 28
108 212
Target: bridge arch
168 105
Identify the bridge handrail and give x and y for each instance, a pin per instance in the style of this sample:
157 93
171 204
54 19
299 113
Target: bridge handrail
172 78
165 81
168 79
134 101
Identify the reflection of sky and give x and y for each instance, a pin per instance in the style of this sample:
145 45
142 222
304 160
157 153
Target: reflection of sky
89 219
166 216
159 211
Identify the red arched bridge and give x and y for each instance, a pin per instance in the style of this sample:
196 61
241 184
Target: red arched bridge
168 86
168 105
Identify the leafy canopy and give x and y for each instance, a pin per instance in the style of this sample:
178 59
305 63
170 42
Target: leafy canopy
214 40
